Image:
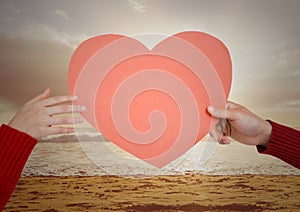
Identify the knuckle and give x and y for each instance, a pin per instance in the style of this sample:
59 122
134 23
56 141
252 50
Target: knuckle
58 99
66 120
64 108
56 130
52 100
76 108
77 119
63 98
62 119
72 108
61 130
41 111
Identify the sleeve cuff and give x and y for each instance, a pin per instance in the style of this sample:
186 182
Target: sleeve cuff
15 148
284 144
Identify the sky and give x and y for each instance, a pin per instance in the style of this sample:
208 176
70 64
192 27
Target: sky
37 39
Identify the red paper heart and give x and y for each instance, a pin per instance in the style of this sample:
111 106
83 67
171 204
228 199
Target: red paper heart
151 103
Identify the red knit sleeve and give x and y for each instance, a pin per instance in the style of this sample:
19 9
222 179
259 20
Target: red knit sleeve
15 148
284 144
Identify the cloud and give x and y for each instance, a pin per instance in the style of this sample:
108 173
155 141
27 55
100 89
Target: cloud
279 61
44 32
63 14
291 103
12 8
138 5
284 53
35 31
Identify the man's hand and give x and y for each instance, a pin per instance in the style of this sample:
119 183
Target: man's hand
242 125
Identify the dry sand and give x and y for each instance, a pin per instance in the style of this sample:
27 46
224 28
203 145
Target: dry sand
190 192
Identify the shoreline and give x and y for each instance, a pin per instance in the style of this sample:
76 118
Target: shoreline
69 158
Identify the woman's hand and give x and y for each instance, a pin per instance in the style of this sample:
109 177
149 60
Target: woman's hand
36 116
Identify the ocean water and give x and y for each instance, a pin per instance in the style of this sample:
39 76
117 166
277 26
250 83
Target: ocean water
87 153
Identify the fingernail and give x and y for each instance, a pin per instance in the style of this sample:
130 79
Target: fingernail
75 98
83 108
211 108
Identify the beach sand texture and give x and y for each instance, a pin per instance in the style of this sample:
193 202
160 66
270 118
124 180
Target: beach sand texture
191 192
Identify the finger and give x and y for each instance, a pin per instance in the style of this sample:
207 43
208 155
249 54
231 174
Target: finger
217 113
221 113
224 140
228 129
65 120
60 130
59 109
232 105
57 100
215 134
45 94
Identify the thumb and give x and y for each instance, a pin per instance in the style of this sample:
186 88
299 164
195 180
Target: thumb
45 94
220 113
41 96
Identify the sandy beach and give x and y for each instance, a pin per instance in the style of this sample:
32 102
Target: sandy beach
61 175
158 193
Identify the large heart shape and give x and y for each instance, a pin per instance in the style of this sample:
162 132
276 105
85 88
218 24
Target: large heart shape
151 103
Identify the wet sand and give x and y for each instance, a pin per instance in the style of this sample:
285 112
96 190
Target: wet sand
191 192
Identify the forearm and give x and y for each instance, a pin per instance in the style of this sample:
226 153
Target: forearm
284 144
15 148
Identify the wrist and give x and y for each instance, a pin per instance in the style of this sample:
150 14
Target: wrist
17 127
266 134
11 124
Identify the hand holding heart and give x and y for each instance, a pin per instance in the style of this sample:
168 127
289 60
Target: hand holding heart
243 125
151 103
